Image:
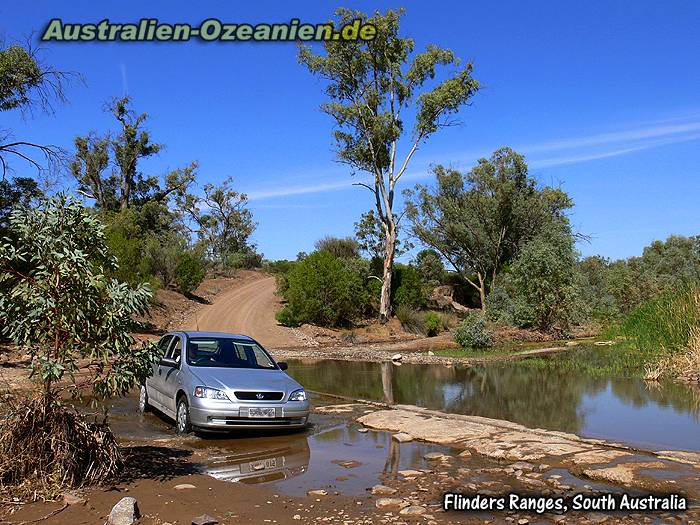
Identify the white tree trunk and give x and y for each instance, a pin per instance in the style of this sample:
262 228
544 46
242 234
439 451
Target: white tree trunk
385 299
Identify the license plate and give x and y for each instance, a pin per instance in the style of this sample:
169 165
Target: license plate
261 412
263 464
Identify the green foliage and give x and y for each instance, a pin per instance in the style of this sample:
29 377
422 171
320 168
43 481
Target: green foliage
473 332
20 74
407 287
480 220
323 290
189 273
279 266
430 267
666 322
223 223
541 281
411 320
371 238
57 301
343 248
432 323
18 191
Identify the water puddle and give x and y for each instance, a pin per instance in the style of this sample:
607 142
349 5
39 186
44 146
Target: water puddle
332 454
656 417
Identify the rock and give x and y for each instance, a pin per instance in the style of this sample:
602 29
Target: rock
598 456
73 499
317 492
382 490
296 517
465 454
623 473
413 510
363 430
204 519
430 352
396 357
125 512
184 486
523 521
402 437
434 456
390 503
410 473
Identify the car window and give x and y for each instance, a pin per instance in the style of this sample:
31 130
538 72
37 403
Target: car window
175 351
163 344
227 353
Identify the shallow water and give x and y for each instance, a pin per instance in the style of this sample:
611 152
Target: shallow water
330 454
652 416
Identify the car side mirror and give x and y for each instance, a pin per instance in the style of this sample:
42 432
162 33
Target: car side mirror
282 365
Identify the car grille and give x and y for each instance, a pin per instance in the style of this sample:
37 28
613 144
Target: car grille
259 396
253 421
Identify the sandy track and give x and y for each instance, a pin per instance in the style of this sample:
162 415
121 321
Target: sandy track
246 309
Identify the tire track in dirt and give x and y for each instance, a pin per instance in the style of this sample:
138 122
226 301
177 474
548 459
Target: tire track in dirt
247 309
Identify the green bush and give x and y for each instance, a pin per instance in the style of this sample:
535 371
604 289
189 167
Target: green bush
407 287
432 324
323 290
411 320
189 273
666 322
244 260
472 332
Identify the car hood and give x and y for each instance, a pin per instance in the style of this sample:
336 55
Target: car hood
231 379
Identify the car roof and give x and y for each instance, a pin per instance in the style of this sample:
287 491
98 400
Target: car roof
227 335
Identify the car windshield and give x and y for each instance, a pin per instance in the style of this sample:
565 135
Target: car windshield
227 353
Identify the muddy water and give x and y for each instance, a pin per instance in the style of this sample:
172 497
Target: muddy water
332 454
656 417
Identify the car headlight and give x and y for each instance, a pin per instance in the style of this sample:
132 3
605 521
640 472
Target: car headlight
210 393
298 395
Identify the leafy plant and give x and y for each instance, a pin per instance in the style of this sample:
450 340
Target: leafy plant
432 323
322 289
472 332
57 302
189 273
411 320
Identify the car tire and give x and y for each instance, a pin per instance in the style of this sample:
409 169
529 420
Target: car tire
143 400
182 417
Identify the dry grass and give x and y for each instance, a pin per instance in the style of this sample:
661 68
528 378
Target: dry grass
43 452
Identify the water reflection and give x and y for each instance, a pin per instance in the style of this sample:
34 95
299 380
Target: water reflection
260 460
624 409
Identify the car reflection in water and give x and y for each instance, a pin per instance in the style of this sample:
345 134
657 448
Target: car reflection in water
261 460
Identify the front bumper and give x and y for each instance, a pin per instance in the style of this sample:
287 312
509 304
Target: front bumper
227 415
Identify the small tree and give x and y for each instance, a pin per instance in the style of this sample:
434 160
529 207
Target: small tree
343 248
370 84
478 221
56 301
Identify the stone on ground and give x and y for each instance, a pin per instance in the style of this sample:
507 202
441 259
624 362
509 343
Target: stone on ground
125 512
402 437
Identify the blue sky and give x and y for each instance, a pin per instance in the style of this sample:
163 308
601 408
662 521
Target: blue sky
601 97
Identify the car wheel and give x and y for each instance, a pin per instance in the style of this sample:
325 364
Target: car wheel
143 400
182 421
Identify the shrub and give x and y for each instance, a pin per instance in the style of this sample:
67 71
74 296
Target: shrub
541 282
321 289
343 248
407 287
245 260
430 266
667 322
432 324
62 308
472 332
411 320
189 273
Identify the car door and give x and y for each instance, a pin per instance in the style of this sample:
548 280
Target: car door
153 383
170 375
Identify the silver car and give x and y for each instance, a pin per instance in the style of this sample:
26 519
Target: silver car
219 381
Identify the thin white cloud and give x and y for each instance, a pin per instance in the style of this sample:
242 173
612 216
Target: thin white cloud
622 142
612 138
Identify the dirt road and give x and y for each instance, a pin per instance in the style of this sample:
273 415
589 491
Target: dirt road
246 309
